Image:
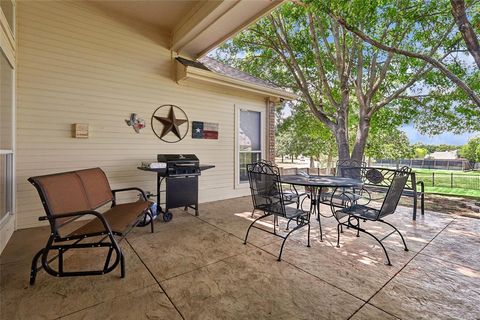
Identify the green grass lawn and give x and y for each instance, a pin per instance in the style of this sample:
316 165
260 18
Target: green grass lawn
454 191
455 172
464 183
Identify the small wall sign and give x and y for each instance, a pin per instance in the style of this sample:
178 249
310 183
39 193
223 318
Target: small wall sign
204 130
80 130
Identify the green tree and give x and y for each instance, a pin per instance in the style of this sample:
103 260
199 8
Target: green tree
471 151
420 152
445 147
386 141
283 143
305 132
343 80
458 8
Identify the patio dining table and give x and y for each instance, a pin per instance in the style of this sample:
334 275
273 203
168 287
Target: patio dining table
315 184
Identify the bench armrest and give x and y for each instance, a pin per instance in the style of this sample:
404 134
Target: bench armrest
422 185
78 214
130 189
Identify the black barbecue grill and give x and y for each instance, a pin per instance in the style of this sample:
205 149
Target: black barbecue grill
180 173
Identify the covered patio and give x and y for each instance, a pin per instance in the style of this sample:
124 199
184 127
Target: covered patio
81 79
199 268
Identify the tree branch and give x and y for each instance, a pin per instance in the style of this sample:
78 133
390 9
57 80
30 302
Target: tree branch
420 73
434 62
319 64
325 40
468 34
295 69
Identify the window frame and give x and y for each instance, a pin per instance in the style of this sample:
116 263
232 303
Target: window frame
238 108
7 48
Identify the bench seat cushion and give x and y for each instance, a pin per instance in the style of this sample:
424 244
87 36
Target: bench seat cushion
120 218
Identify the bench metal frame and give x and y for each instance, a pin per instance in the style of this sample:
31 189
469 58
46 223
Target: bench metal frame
410 188
61 244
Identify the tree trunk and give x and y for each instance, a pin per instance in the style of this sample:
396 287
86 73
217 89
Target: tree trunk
312 162
292 157
282 159
329 161
341 137
361 139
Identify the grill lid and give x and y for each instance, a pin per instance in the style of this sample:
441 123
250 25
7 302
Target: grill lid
177 158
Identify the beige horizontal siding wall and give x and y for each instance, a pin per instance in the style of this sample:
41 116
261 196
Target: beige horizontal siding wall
79 64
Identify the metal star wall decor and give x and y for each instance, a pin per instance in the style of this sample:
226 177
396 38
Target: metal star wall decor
166 126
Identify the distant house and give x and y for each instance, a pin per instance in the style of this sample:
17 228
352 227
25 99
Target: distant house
443 155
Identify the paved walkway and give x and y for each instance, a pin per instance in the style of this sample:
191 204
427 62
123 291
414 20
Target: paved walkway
198 268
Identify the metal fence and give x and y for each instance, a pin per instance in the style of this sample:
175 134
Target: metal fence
450 180
460 164
433 179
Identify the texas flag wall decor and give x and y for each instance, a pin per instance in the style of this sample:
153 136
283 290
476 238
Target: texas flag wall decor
204 130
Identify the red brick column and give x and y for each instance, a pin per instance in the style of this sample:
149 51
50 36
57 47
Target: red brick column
270 145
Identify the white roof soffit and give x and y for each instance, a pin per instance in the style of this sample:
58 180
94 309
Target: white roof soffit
184 73
210 23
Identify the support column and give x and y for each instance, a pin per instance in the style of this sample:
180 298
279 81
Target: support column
270 134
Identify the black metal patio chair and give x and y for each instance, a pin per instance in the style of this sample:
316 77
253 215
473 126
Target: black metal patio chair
268 197
291 195
354 213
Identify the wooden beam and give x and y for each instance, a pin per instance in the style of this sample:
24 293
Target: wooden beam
210 23
197 20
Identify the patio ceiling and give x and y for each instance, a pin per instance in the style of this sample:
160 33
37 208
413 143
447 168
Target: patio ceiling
195 27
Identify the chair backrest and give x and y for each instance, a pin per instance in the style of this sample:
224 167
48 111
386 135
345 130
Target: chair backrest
266 187
383 177
349 168
394 192
72 191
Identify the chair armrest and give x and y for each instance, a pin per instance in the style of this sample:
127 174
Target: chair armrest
130 189
79 214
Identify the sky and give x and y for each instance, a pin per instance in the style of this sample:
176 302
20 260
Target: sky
445 138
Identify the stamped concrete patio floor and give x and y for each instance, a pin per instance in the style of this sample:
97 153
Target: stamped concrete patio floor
199 268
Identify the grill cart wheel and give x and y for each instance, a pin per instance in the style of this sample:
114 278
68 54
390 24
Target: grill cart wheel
167 216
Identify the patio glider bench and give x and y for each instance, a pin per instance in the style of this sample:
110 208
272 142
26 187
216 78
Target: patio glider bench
69 196
369 175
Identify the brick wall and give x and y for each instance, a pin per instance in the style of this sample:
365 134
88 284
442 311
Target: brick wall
270 130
